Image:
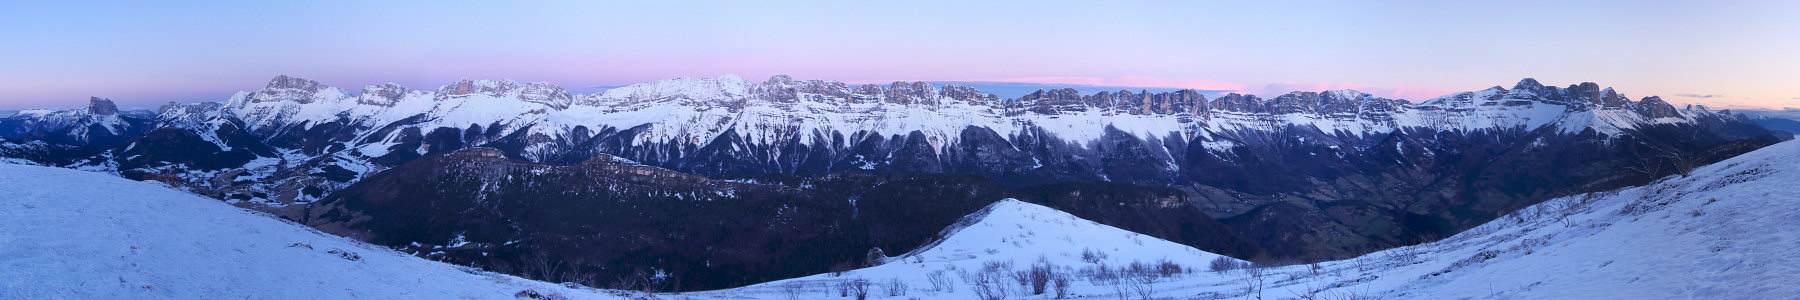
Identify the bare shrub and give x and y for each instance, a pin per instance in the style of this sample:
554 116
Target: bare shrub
1039 275
1138 267
1061 281
543 267
1346 295
1253 283
1101 275
345 254
1684 164
534 294
793 289
1222 264
998 265
860 288
1140 279
990 282
894 287
988 286
1403 255
1167 268
837 269
645 280
1091 256
940 281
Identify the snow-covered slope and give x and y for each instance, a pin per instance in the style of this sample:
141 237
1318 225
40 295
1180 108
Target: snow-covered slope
1014 230
67 234
1009 232
1726 231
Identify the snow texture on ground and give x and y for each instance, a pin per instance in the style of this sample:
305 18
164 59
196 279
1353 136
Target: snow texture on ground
1008 232
67 234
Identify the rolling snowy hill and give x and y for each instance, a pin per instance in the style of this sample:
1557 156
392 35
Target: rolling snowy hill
1009 233
67 234
1726 231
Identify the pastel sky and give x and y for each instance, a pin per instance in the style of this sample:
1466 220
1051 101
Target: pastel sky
1745 53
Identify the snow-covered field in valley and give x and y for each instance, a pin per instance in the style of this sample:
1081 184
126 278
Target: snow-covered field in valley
67 234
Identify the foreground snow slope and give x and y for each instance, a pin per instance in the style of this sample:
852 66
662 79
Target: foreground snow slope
80 235
1008 232
1726 231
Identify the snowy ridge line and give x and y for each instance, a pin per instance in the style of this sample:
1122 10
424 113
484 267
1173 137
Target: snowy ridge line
696 110
945 234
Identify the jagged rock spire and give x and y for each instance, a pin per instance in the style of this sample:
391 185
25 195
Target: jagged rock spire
102 106
289 82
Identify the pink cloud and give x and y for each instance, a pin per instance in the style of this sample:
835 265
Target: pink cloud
1122 81
1416 94
1130 81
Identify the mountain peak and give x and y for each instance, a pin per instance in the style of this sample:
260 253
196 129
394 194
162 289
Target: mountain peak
385 94
465 86
731 79
1345 94
779 79
1528 84
1655 107
102 106
289 82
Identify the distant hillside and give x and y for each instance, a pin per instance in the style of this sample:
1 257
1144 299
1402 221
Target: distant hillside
1783 120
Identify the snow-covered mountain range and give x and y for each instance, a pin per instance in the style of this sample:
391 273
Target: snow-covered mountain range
1300 175
729 126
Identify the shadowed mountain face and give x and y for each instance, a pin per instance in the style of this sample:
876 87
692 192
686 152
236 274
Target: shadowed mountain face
1298 176
606 219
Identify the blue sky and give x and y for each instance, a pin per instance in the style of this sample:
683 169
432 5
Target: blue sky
140 53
